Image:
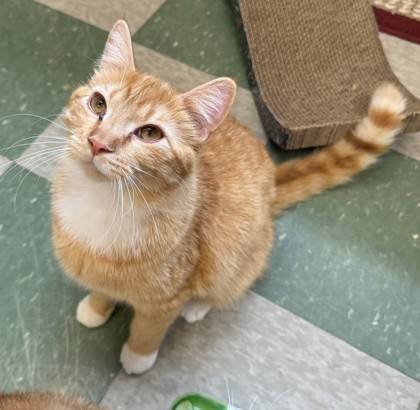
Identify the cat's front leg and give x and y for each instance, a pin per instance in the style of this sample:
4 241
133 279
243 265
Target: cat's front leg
146 334
94 309
195 310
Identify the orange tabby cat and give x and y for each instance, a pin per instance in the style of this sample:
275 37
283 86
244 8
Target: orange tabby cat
43 401
166 203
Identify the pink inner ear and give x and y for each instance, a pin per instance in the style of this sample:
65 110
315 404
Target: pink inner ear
210 103
118 51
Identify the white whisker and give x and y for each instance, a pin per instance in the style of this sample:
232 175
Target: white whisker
255 400
120 189
114 198
227 388
146 173
278 398
148 207
17 143
34 155
24 158
46 159
37 116
133 239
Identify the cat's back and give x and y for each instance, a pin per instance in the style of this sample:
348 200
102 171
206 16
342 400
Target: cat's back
43 401
236 178
239 157
237 189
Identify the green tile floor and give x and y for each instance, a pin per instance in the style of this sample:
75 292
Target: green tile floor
347 261
42 346
45 54
199 33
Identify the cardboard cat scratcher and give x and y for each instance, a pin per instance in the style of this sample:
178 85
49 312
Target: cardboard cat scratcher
312 66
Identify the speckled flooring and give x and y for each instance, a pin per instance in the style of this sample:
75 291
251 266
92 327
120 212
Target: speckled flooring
347 261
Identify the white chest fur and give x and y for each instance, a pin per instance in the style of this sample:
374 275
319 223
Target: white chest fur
100 214
103 216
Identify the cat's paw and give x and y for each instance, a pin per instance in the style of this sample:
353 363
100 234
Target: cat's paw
88 317
195 311
134 363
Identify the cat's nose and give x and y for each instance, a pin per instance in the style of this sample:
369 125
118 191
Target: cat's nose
99 147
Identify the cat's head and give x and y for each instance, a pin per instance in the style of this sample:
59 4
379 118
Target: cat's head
127 123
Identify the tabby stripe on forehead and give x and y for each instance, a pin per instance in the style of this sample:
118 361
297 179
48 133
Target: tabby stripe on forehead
151 112
128 90
113 92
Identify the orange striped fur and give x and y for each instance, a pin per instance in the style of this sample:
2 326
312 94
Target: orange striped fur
299 179
184 224
43 401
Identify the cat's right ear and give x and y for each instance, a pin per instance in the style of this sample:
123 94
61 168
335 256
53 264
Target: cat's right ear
209 104
118 52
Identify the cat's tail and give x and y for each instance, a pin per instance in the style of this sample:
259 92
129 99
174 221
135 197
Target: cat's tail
299 179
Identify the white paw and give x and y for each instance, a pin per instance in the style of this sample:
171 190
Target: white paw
136 363
87 316
194 311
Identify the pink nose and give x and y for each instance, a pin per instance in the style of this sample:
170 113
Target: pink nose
98 147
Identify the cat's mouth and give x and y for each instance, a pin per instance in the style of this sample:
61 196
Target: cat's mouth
96 167
101 166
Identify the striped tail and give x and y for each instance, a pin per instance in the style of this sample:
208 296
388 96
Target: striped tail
299 179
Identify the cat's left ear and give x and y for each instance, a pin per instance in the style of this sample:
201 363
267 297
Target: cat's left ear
118 52
209 104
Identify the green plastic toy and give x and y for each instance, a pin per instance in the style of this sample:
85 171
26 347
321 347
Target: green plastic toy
193 401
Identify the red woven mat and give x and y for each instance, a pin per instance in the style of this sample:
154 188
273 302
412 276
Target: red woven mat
400 18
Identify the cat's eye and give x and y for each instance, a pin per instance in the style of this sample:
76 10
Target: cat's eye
149 133
97 104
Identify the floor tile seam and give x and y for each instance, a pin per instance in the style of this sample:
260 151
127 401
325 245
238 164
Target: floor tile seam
205 74
397 149
152 16
305 323
331 335
15 163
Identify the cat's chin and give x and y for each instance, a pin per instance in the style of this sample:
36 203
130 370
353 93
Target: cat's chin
96 170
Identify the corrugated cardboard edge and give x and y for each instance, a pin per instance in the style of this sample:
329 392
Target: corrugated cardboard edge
312 135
